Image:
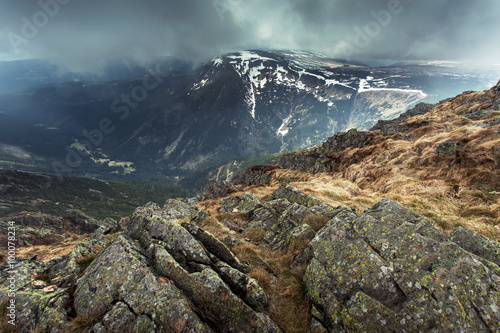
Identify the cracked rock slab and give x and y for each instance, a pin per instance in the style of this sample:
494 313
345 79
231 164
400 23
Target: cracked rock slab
391 266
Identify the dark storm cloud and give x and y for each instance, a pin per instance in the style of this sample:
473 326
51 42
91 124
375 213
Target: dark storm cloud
82 33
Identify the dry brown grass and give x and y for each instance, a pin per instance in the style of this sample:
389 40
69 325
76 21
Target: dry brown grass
45 253
288 304
316 222
461 189
452 190
82 323
255 235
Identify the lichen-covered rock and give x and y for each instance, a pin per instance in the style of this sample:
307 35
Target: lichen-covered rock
251 176
389 269
243 203
477 244
119 318
122 273
448 148
215 247
290 193
170 278
47 311
36 220
218 190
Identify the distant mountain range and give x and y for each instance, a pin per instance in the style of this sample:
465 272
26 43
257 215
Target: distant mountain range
169 121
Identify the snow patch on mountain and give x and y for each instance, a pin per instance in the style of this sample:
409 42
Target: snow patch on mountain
336 82
283 130
200 84
254 74
217 61
364 85
173 146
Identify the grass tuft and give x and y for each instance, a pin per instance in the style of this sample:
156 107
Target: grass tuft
43 277
82 323
316 222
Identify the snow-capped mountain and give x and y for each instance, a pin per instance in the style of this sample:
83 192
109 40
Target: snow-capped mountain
236 105
327 81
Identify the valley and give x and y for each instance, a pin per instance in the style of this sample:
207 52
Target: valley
173 122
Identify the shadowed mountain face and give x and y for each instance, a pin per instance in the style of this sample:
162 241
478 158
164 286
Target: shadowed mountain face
174 120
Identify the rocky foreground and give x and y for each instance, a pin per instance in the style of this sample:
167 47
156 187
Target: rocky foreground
254 255
386 269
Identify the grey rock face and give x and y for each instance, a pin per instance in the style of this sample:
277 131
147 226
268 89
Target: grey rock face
122 274
323 157
171 278
390 268
387 269
282 217
244 203
290 193
477 244
251 177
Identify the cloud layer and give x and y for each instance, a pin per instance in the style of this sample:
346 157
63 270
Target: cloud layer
82 34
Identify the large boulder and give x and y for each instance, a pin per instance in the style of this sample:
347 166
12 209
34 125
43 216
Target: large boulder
85 223
170 277
253 176
282 217
120 284
393 126
243 203
290 193
323 158
391 270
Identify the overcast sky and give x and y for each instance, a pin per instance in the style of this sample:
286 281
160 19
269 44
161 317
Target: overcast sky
83 33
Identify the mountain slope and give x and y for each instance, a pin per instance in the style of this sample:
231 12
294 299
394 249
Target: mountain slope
448 158
238 105
319 243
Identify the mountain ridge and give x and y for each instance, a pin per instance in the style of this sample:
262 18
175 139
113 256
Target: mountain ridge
236 106
320 242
